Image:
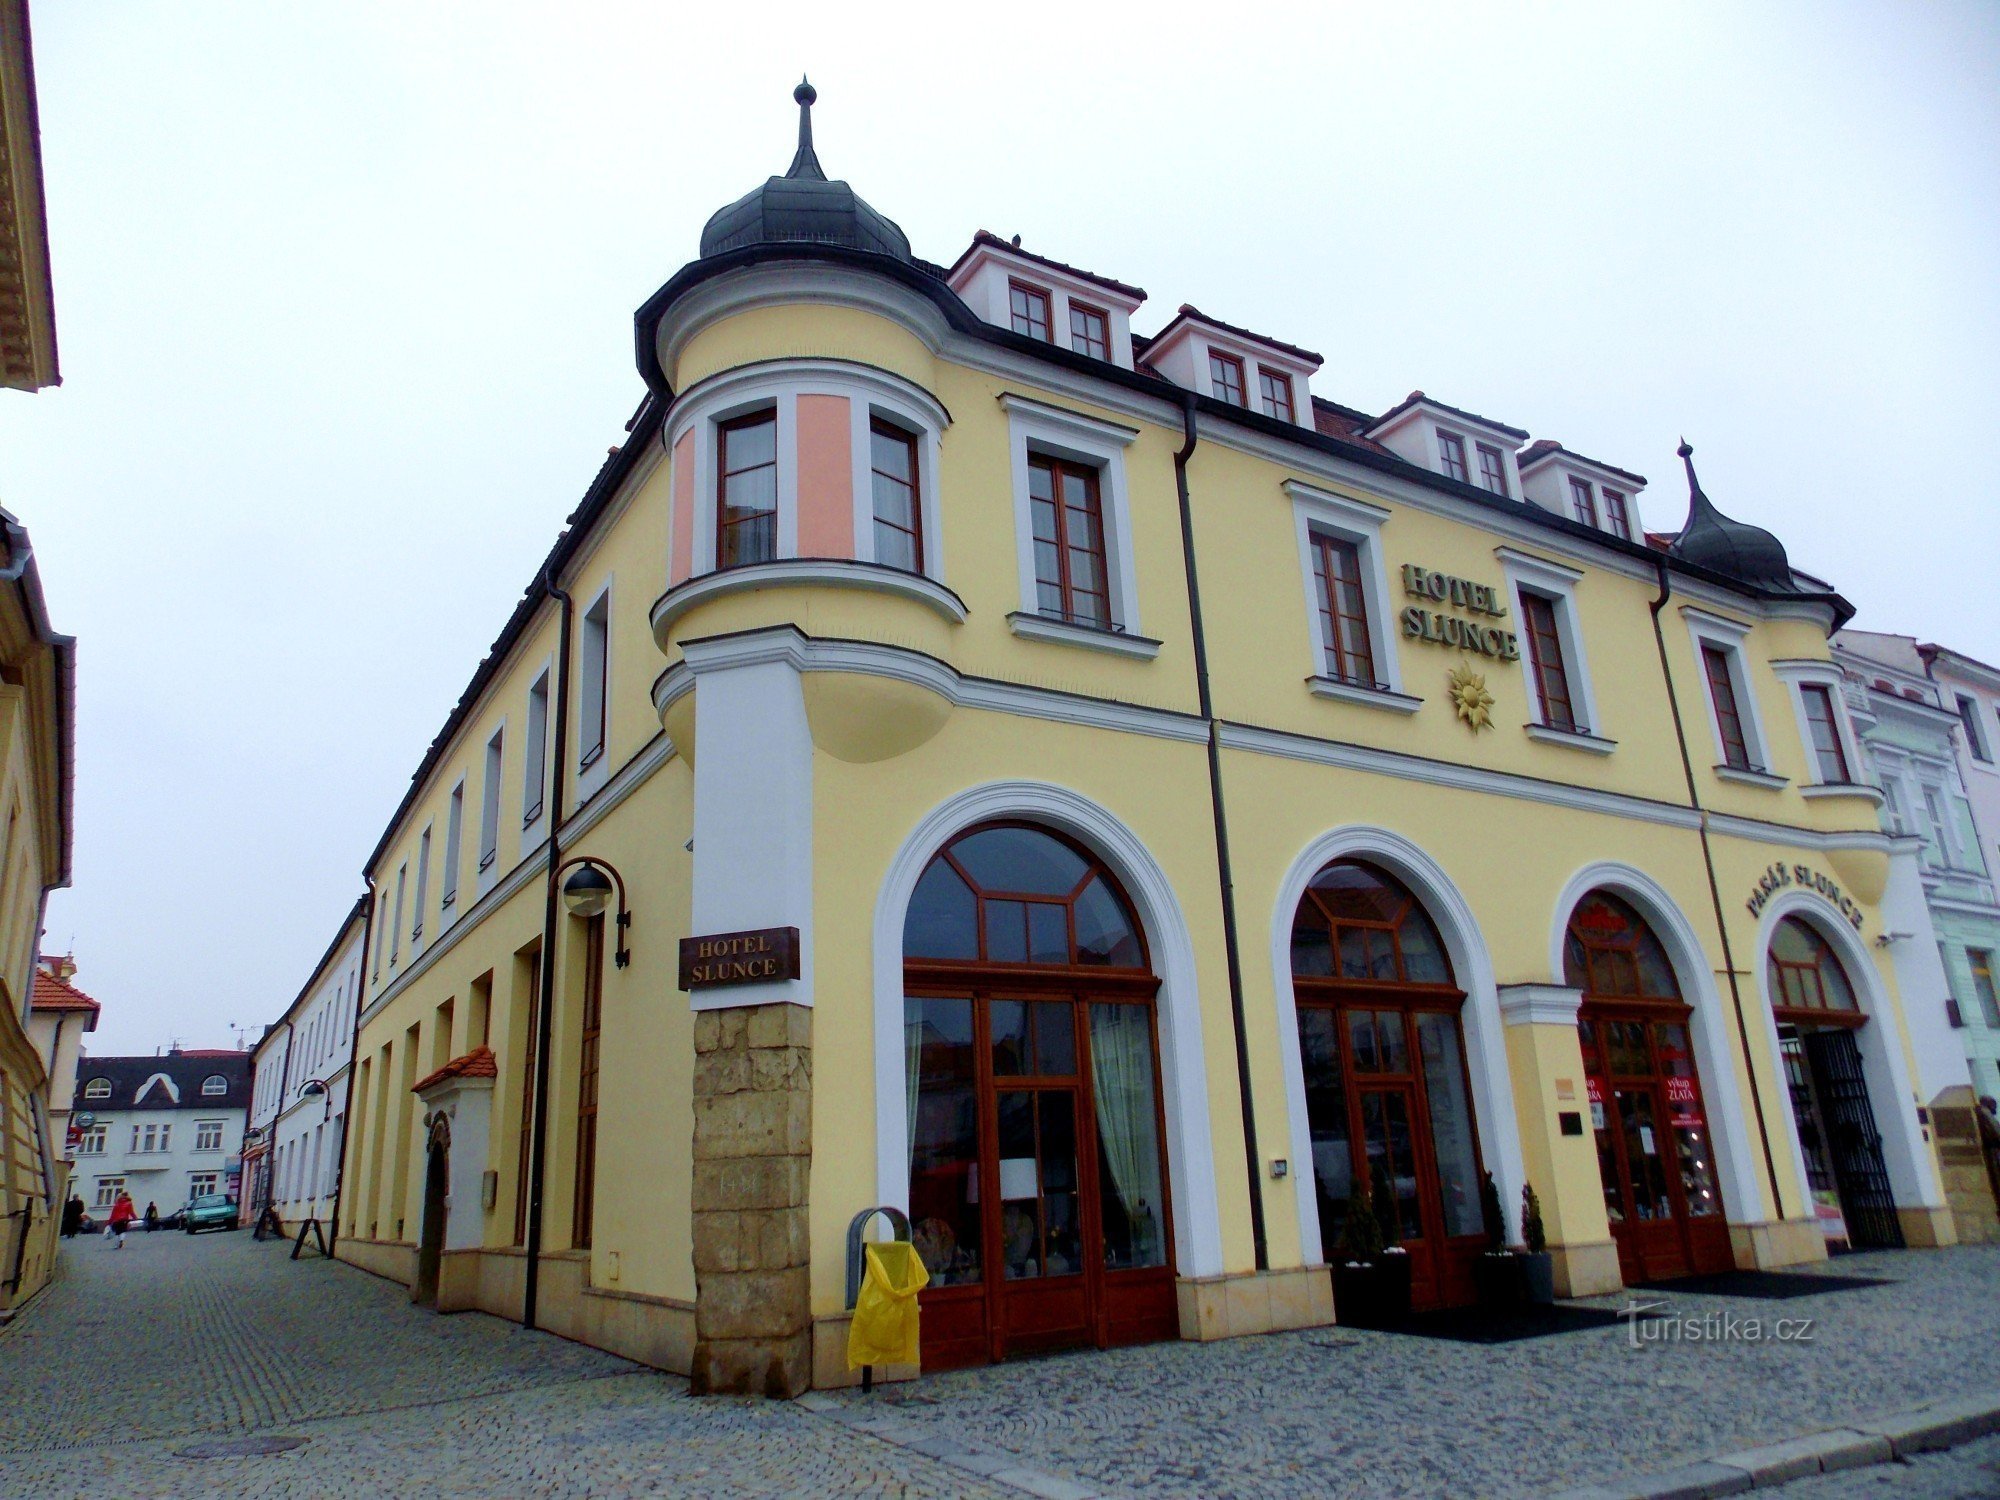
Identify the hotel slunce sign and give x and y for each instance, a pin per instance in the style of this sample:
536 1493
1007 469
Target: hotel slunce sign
755 957
1426 622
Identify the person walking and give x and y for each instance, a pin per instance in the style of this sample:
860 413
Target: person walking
122 1215
72 1218
152 1217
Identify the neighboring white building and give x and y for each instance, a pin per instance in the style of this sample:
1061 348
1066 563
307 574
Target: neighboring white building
300 1101
163 1128
1971 690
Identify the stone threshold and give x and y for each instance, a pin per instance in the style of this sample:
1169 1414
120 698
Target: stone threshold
994 1465
1929 1428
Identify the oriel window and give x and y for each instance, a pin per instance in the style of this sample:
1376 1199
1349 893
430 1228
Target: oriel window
1728 719
1070 578
899 540
1545 656
1827 749
1451 455
1225 378
1089 331
746 502
1343 609
1028 308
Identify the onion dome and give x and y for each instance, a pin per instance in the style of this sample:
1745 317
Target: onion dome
803 206
1733 548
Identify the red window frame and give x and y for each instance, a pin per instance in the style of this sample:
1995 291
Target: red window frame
1616 515
1089 330
1343 610
1274 389
877 428
1827 748
1071 533
1545 655
1451 456
1728 717
1492 468
1022 303
1225 378
1583 501
726 540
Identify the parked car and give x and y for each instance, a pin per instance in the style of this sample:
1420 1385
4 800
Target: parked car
209 1211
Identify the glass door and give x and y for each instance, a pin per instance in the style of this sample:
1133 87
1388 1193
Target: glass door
1035 1208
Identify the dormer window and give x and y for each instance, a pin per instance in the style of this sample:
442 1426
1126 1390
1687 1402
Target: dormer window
1225 377
1276 391
1029 308
214 1085
1616 516
1089 331
97 1088
1583 501
1451 456
1492 469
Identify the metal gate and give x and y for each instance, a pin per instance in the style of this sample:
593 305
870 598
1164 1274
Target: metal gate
1852 1140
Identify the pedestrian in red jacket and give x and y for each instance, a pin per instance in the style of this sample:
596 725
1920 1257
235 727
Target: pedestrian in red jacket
122 1215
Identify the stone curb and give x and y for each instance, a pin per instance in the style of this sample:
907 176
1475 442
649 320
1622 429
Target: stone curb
1921 1429
995 1467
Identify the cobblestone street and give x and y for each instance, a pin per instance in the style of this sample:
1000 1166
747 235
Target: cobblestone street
137 1355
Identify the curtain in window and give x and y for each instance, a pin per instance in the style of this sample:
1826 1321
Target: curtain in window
1121 1076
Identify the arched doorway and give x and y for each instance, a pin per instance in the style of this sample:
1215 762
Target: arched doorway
1383 1059
1037 1169
1656 1152
1819 1020
430 1242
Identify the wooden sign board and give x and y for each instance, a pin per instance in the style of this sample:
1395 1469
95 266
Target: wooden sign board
725 958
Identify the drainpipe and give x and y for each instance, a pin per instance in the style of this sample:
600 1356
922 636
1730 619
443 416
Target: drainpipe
1252 1157
353 1054
1715 891
543 1020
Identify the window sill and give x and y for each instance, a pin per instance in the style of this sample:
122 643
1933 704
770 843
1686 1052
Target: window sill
1063 633
1768 780
529 819
584 762
1570 739
1820 789
1368 697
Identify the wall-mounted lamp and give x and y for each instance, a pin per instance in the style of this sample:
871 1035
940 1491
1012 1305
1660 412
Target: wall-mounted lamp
589 890
1887 938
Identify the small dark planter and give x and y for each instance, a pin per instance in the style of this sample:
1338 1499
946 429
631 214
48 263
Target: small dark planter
1500 1280
1358 1295
1539 1272
1393 1271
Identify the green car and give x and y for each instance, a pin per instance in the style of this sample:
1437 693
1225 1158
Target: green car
209 1211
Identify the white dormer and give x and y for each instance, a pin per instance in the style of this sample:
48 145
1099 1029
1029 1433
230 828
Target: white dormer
1583 489
1047 300
1235 365
1458 444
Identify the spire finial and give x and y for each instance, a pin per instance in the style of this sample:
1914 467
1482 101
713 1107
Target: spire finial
805 163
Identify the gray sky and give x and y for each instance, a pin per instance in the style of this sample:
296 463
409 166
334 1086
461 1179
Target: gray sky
344 295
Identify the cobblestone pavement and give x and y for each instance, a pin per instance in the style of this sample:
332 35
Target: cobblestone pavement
136 1354
1968 1473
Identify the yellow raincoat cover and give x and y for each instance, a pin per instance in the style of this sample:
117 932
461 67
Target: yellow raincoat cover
884 1330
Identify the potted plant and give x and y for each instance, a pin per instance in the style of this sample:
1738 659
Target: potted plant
1537 1265
1394 1273
1497 1274
1357 1275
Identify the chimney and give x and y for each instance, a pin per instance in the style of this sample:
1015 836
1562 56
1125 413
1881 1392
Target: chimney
60 968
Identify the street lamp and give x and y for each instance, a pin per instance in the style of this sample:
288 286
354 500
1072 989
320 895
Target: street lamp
590 889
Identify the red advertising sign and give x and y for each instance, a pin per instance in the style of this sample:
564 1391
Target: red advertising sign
1595 1090
1680 1091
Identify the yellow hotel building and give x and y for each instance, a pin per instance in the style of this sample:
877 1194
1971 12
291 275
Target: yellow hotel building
1121 804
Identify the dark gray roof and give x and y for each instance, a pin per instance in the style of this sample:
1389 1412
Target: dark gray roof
187 1071
1730 547
803 205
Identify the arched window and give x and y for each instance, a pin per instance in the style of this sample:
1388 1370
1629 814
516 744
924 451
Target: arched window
97 1088
1612 953
1357 923
1804 973
213 1085
1008 894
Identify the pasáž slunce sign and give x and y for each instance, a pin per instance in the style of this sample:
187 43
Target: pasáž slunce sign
1783 876
1423 624
755 957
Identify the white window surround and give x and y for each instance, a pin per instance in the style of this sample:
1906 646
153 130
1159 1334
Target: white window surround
535 754
1180 352
454 849
777 384
1705 629
1798 674
97 1088
1553 581
1034 427
1356 521
423 887
495 759
589 778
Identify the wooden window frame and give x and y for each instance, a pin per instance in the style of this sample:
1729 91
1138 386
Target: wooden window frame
1338 629
881 427
584 1197
1220 364
1057 469
1080 340
1493 476
1583 502
1720 672
1617 516
1275 382
1015 318
1553 693
1840 773
763 416
1451 457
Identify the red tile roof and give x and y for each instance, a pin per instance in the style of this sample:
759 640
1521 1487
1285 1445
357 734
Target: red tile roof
478 1063
56 994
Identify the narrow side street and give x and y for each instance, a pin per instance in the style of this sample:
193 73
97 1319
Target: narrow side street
138 1356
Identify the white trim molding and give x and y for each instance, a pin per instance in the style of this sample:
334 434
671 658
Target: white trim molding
1035 627
1184 1074
1360 523
1528 574
809 572
1366 697
1729 636
1540 1004
1036 427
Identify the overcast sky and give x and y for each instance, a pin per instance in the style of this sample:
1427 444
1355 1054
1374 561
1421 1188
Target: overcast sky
344 295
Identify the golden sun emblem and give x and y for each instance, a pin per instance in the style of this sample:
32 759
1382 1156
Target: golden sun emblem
1470 698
